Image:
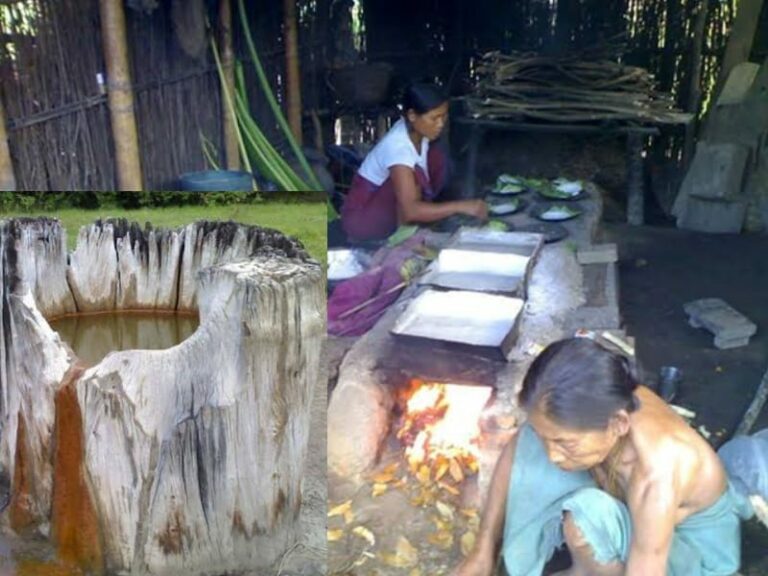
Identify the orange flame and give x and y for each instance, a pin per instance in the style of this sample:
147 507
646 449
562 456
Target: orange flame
442 421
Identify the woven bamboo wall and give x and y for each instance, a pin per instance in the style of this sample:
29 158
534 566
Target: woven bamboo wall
59 125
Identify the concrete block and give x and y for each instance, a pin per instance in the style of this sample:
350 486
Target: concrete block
728 343
696 308
739 82
598 254
717 171
714 216
728 324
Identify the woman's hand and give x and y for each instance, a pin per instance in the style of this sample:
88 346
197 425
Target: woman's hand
476 208
478 563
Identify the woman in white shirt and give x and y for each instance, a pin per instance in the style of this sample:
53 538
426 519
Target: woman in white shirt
403 174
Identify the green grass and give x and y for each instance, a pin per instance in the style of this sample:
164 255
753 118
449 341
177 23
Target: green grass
305 221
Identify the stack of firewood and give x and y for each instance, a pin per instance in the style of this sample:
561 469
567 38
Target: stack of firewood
586 87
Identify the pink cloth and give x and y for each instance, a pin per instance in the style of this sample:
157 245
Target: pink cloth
383 275
370 211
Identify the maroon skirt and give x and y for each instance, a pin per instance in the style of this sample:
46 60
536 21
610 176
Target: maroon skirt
370 212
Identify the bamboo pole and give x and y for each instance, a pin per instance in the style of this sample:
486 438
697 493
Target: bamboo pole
750 416
120 95
7 177
293 83
231 149
694 92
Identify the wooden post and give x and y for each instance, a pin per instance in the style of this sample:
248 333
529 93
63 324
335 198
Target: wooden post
635 191
231 148
7 177
120 95
740 39
694 92
293 83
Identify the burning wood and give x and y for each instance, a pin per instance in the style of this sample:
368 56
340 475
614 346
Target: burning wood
440 430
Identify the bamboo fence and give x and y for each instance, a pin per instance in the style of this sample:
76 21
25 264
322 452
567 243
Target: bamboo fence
58 123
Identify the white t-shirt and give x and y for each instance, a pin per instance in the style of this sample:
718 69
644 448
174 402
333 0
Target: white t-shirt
396 148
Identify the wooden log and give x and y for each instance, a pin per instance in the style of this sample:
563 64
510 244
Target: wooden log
7 176
117 265
34 364
216 442
740 40
231 147
120 96
211 435
293 75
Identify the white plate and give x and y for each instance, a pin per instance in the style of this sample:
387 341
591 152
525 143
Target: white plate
505 208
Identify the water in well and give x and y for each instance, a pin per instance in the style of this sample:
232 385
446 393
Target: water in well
93 336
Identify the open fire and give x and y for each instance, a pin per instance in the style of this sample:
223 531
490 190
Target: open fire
440 430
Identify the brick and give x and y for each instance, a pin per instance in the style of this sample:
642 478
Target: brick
598 254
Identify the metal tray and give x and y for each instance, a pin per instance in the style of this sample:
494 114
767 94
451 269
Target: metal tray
485 261
477 271
474 319
522 243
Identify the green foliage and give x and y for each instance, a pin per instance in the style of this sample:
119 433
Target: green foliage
25 201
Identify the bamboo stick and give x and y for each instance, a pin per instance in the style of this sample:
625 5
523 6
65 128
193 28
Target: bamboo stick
7 176
371 300
750 416
231 148
120 95
293 77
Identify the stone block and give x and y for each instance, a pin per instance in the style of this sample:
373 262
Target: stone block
714 216
728 325
739 82
696 308
717 171
728 343
598 254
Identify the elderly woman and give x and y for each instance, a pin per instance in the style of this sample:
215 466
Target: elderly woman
403 173
607 467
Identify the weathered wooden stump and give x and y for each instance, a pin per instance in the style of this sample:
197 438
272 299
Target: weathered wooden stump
187 459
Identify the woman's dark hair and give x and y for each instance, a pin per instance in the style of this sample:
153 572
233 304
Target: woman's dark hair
421 98
579 384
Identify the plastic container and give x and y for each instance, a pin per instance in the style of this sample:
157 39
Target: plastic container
217 181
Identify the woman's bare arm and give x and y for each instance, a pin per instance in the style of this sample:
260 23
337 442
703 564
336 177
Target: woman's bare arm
653 505
412 209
